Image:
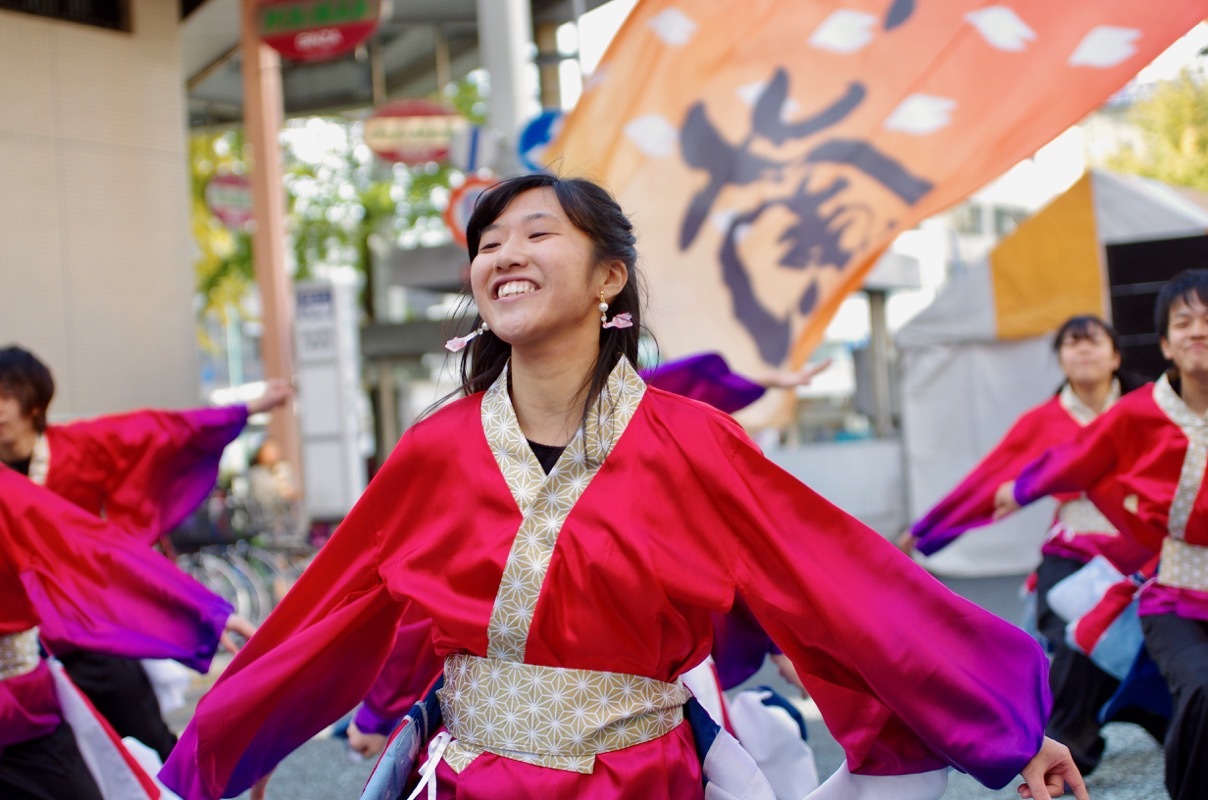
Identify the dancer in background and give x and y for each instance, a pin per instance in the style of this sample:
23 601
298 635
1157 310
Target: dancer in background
1088 352
1143 465
570 533
69 577
144 472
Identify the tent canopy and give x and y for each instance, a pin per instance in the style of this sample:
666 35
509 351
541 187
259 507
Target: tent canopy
980 355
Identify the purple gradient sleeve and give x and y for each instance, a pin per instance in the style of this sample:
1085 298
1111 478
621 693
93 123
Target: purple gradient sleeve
369 721
92 587
706 378
158 466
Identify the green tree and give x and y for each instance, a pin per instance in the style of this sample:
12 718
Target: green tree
341 201
224 256
1173 121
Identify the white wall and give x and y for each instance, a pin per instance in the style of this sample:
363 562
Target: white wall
864 478
95 263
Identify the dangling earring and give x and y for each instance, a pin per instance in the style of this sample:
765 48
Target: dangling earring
619 321
458 343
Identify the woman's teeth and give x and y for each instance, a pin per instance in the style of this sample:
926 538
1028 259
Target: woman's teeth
515 288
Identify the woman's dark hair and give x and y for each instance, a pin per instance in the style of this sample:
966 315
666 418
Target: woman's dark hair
1184 286
1083 326
591 209
24 376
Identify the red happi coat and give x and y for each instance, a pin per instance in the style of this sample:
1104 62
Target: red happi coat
145 471
81 580
667 514
1078 530
1138 464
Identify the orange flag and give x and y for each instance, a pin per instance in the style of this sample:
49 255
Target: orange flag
769 150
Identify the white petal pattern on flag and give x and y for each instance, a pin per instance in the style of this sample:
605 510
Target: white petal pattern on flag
653 135
1105 47
921 114
1002 28
845 31
673 26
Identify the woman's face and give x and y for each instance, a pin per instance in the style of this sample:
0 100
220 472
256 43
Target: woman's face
1089 359
534 278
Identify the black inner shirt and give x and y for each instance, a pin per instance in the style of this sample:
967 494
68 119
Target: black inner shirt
23 465
547 455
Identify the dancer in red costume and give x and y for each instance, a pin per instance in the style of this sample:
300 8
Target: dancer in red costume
69 577
1143 465
144 471
1088 351
570 532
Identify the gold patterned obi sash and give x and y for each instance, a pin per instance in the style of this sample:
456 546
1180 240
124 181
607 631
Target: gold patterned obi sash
1183 565
550 716
1081 516
19 653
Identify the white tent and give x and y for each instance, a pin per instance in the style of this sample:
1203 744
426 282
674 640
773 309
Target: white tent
967 373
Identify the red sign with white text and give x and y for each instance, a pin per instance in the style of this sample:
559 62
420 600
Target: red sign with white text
314 30
412 131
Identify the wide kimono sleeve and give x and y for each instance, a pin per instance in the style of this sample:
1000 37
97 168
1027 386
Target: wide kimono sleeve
1078 465
971 503
311 661
707 378
908 676
92 588
153 468
409 671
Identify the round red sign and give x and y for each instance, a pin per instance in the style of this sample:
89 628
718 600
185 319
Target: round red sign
313 30
412 131
229 197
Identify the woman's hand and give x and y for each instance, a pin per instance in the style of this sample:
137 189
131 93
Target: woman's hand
1048 773
907 542
235 625
788 379
260 787
368 745
276 392
1004 501
789 672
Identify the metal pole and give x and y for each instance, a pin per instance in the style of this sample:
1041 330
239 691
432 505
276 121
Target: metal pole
440 48
263 109
879 354
549 63
505 38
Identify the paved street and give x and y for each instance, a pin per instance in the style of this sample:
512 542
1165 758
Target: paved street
1132 769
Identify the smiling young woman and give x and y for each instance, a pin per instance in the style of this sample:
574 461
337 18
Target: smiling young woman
570 532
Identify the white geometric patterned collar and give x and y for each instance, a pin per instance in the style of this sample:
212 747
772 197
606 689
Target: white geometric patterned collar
39 461
1079 410
545 501
1191 476
1173 406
